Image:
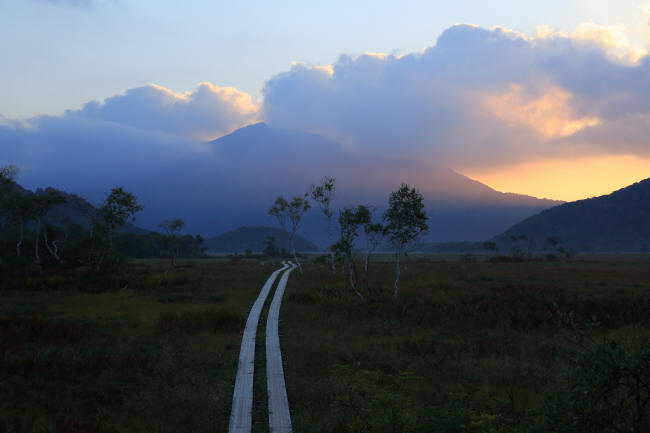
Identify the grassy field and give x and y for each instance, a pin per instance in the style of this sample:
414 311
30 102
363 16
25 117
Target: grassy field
124 351
467 347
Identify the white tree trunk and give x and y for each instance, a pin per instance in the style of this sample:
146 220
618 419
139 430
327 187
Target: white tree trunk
354 287
20 240
295 257
37 258
397 273
55 243
47 245
329 237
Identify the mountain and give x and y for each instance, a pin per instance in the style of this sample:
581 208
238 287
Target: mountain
459 208
231 182
243 238
619 221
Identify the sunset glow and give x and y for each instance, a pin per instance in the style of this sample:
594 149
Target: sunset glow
550 113
566 180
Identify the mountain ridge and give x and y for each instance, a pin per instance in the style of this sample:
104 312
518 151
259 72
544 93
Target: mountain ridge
619 221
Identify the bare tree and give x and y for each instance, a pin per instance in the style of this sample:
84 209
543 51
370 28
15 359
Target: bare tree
289 215
405 221
323 195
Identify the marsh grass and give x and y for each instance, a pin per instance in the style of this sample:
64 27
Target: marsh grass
468 346
124 351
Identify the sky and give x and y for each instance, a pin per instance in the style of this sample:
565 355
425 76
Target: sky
542 98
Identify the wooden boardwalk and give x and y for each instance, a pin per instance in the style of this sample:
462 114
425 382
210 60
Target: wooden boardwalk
242 400
279 417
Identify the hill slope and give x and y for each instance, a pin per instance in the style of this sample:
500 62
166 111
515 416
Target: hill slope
619 221
243 238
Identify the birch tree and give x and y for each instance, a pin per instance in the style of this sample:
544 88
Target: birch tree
323 195
350 220
374 233
405 220
289 215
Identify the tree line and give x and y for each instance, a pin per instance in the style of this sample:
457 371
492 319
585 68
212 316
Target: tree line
401 225
29 221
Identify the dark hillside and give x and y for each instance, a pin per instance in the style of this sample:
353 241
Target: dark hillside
619 221
243 238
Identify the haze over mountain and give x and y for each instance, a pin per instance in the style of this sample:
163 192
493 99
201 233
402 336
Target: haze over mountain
619 221
237 180
232 181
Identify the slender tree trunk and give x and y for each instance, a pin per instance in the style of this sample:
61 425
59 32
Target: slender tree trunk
295 257
20 240
397 272
47 245
37 258
172 263
55 243
365 265
354 286
92 245
329 236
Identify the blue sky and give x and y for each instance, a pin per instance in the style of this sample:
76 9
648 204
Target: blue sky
59 54
524 98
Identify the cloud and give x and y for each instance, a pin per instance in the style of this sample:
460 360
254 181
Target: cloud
478 97
208 112
83 155
73 3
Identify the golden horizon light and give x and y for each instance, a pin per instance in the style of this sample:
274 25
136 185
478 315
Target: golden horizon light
566 179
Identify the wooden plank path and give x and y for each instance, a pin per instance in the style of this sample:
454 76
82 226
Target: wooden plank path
242 401
279 416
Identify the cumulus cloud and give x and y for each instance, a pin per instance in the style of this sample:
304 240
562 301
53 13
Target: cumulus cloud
476 97
208 112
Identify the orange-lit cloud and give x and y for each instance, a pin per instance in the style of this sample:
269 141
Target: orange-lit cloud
206 113
550 114
566 179
611 38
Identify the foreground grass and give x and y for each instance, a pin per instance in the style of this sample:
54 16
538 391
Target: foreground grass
131 351
469 347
